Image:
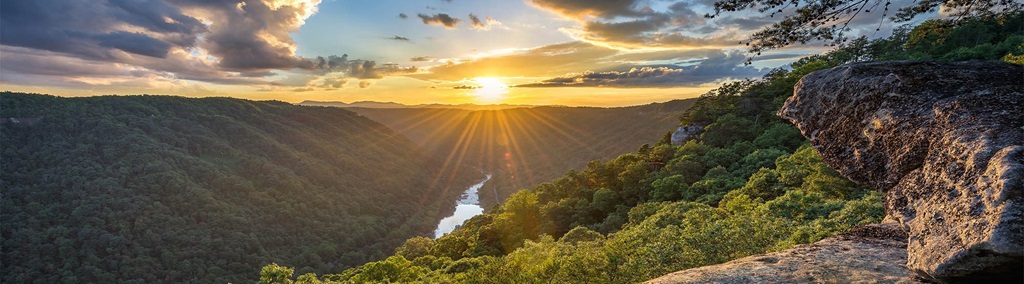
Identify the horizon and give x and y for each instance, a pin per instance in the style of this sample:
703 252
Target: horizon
531 52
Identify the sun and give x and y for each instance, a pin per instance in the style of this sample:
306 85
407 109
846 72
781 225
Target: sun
490 90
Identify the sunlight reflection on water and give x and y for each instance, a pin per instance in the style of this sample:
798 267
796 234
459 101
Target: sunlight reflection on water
467 207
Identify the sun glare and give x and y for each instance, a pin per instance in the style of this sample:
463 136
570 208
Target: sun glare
490 90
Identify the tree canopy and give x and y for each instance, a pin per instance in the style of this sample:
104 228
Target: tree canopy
151 189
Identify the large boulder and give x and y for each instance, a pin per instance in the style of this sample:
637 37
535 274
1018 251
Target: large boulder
869 254
944 140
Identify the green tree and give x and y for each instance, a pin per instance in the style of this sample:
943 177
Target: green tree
276 274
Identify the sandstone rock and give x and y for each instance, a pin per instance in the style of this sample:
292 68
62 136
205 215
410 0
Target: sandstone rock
686 133
869 254
945 142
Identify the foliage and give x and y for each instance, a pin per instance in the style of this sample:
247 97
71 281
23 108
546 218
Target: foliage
749 185
145 189
804 21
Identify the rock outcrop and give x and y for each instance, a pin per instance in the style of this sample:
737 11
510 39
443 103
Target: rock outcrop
869 254
946 141
686 133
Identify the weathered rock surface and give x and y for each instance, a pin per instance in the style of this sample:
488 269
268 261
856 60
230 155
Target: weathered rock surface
686 133
869 254
946 141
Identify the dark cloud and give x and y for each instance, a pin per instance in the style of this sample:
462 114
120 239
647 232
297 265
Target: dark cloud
365 84
403 16
666 55
719 67
640 24
253 34
19 61
136 43
360 69
477 23
399 38
247 40
440 20
746 23
89 30
421 59
465 87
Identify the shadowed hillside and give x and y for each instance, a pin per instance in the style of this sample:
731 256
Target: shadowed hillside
150 189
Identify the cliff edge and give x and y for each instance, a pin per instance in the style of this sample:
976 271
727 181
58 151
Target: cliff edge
872 253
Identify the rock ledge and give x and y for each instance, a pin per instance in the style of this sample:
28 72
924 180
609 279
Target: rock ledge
872 253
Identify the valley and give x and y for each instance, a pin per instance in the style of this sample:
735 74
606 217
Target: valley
526 146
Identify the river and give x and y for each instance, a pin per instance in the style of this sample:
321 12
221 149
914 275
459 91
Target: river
467 207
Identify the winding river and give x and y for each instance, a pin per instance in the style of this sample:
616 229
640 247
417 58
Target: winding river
467 207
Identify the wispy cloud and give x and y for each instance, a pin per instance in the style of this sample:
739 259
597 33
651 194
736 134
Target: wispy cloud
719 67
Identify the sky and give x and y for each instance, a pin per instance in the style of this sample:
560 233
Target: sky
535 52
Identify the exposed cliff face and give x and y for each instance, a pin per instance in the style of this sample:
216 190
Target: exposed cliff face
869 254
946 141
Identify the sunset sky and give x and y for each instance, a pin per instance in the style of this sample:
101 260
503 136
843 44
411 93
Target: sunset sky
569 52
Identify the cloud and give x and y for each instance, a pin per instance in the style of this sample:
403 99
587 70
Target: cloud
587 8
550 60
466 87
440 19
365 84
421 59
676 24
484 24
403 16
333 83
635 24
720 66
88 30
360 69
253 34
559 59
477 23
216 41
398 38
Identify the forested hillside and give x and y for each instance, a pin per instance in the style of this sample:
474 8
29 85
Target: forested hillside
155 189
526 146
748 185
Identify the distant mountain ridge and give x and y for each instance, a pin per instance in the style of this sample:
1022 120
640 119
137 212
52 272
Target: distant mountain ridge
375 104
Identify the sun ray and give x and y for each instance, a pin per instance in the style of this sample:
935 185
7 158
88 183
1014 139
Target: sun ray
560 129
513 141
